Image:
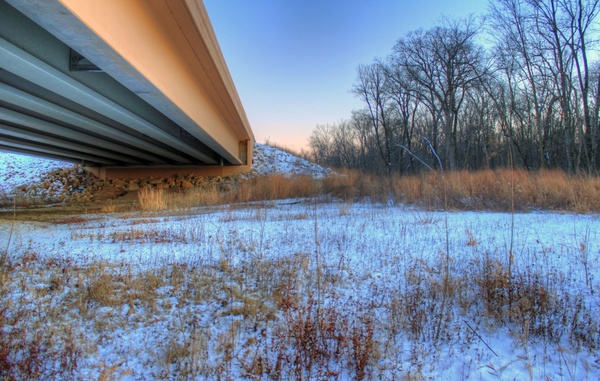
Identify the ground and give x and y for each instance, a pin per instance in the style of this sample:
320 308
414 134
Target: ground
306 288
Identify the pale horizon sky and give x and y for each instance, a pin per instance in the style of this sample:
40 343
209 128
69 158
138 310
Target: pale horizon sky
294 62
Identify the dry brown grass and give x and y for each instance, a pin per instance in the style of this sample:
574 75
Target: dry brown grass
267 188
152 200
498 189
275 187
479 190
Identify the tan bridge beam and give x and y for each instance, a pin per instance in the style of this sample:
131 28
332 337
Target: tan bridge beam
159 94
162 50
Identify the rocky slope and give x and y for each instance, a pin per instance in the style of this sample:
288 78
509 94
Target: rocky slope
42 181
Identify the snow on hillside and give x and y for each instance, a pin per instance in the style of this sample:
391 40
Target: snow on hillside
16 170
273 161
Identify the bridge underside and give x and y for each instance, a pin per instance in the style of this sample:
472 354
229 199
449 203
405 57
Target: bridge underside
128 88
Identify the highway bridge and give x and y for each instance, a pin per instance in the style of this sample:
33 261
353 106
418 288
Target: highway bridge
127 88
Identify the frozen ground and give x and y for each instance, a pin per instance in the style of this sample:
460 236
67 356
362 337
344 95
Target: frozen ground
376 274
368 249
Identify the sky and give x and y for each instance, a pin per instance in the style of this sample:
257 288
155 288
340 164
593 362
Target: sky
294 61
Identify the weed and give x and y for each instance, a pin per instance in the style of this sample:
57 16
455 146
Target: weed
152 200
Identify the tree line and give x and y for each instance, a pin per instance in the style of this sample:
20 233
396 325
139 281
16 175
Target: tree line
443 99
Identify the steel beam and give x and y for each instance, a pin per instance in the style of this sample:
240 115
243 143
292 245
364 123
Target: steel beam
28 101
43 126
22 134
24 65
27 152
56 152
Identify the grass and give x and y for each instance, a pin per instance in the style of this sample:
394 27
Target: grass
461 190
479 190
267 319
243 307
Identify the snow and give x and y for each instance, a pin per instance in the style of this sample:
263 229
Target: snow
365 251
18 170
367 246
269 160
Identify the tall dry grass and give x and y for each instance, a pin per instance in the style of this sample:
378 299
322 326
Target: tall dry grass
267 188
478 190
152 200
461 190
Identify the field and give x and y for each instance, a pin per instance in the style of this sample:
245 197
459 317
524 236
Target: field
301 289
483 276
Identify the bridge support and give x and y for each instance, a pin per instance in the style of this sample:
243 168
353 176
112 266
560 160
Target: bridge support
141 172
131 173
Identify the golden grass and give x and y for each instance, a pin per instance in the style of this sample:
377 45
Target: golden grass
475 190
152 200
499 189
267 188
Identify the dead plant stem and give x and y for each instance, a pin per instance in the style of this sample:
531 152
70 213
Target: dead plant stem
4 257
512 225
446 260
318 262
480 338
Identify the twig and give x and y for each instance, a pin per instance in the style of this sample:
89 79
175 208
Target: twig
4 257
434 153
483 341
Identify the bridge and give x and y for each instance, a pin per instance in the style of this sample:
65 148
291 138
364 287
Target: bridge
127 88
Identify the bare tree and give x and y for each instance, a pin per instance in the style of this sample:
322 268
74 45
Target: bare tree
438 93
549 40
370 87
522 50
402 91
446 63
578 19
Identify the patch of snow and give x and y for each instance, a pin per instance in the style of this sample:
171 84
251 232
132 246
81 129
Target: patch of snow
269 160
17 170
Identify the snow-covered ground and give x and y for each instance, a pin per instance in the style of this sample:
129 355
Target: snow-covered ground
306 289
365 252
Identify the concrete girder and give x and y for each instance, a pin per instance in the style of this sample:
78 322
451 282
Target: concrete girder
19 133
26 66
54 151
43 126
25 100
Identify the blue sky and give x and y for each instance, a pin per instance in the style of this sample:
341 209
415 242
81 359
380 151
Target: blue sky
294 61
